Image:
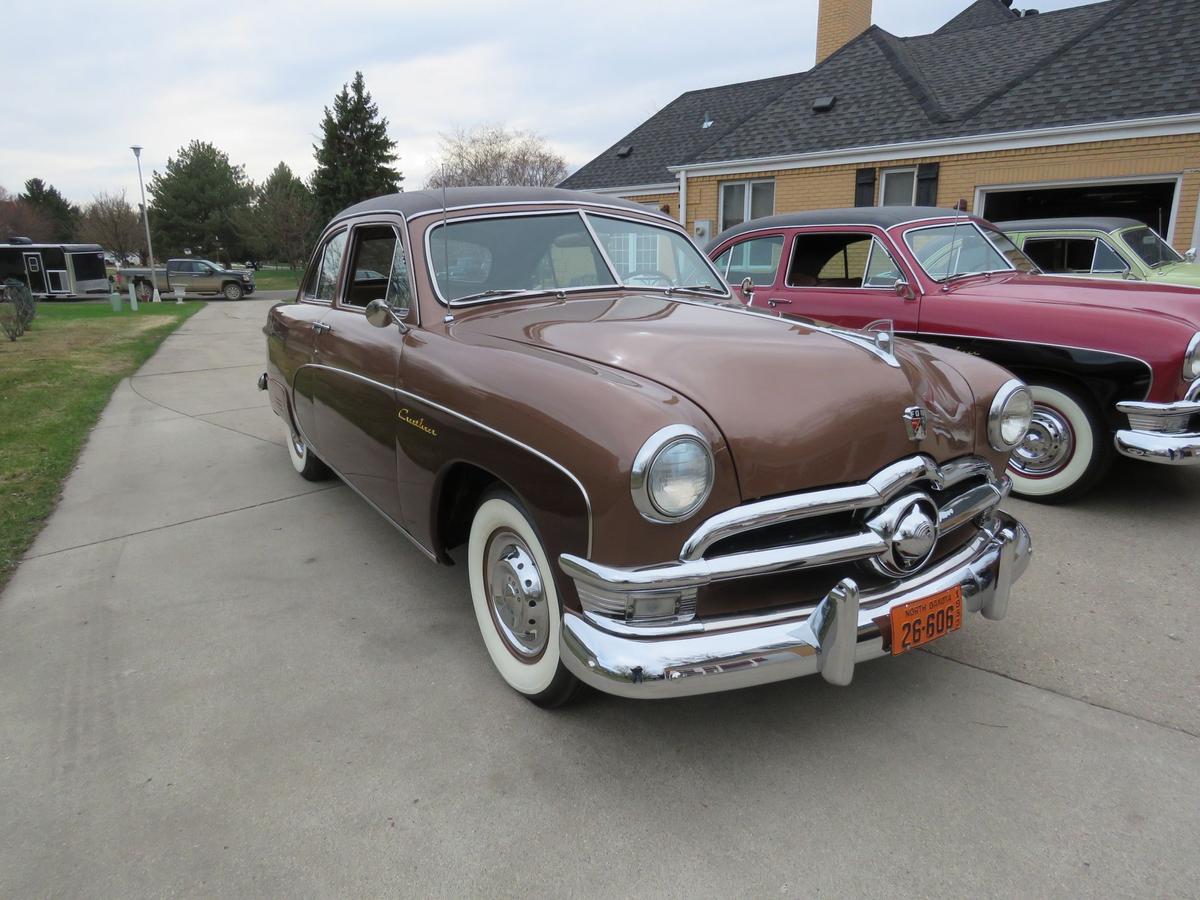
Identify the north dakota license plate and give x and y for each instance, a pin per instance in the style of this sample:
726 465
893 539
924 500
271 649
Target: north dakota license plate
921 621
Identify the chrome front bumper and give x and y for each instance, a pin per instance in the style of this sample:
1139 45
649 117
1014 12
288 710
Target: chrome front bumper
1158 432
843 629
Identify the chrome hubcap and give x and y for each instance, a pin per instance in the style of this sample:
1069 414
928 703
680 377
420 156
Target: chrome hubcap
515 591
1048 444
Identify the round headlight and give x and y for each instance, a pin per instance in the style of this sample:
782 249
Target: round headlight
672 474
1191 359
1010 415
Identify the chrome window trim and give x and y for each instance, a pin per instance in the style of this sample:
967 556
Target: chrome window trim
326 236
580 211
572 204
643 462
399 232
873 238
1006 392
587 500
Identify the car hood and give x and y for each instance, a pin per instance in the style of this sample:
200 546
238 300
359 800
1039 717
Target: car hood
1176 301
798 406
1183 273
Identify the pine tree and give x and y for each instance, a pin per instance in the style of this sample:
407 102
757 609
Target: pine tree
199 202
284 216
355 156
46 199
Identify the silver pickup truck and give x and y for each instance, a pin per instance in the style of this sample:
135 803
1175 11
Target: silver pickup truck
193 276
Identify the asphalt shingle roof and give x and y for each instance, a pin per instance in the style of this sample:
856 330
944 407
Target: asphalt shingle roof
985 71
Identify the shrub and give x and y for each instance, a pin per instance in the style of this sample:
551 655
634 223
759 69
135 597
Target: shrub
17 308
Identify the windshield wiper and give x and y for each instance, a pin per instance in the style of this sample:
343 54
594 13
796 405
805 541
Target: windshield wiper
959 275
495 292
695 289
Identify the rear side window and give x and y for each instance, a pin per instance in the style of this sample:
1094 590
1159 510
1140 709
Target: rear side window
322 281
1060 254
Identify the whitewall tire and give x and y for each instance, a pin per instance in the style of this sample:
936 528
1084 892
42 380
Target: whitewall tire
1067 449
516 602
304 461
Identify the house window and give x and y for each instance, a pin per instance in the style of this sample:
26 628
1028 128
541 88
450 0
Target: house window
743 200
899 187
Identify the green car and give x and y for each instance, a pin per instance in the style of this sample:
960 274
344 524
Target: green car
1103 248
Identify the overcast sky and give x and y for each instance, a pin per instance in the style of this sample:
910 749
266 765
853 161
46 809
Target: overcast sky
85 81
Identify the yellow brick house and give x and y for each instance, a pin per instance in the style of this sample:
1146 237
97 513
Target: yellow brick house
1091 110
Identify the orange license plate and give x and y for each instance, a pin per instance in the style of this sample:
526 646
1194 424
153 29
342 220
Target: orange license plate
921 621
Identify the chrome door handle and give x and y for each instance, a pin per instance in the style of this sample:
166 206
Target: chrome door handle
778 301
321 327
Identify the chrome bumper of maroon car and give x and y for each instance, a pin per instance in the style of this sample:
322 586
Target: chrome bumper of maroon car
847 627
1158 432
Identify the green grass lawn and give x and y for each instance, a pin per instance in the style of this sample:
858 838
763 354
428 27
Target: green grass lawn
54 382
277 279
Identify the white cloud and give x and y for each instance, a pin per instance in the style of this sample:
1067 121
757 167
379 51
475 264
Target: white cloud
253 78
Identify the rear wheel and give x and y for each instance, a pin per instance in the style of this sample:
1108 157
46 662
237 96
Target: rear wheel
232 291
143 291
304 461
516 602
1067 449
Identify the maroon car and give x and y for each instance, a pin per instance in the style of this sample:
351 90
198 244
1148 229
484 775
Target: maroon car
1114 366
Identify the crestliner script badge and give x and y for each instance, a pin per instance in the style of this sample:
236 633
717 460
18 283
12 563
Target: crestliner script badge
914 423
415 422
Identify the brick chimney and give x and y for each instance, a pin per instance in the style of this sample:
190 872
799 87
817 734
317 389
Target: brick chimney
839 21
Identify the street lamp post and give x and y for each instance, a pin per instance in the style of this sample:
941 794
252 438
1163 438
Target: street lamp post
137 154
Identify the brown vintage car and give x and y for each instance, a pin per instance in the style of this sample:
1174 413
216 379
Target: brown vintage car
660 491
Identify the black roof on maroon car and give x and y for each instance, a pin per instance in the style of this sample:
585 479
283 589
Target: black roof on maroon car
1092 223
879 216
414 203
988 70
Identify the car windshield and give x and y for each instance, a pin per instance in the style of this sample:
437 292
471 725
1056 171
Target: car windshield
1149 247
477 260
963 248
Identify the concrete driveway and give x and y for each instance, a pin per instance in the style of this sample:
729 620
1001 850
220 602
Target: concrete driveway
216 678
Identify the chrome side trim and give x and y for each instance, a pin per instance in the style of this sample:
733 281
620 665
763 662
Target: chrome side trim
831 637
876 490
587 501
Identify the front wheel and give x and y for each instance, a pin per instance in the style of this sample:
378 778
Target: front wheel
1067 449
516 602
232 291
143 291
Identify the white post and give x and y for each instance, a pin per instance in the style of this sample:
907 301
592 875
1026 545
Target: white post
137 154
132 296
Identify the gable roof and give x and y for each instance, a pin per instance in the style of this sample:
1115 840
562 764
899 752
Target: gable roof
985 71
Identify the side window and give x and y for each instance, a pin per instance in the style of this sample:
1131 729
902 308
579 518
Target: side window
757 259
1106 259
882 271
378 268
830 260
322 282
1062 255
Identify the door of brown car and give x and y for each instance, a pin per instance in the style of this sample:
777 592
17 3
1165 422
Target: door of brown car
357 366
847 277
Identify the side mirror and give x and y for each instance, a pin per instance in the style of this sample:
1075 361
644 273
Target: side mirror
747 288
904 289
381 315
1190 256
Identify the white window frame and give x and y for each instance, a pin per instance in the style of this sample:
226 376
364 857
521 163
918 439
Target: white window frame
898 170
747 200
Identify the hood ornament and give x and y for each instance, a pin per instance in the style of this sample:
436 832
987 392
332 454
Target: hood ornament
914 423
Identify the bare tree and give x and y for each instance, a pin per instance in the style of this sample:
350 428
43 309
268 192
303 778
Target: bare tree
111 222
492 154
18 217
